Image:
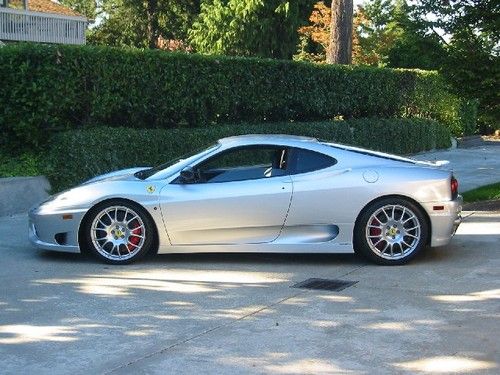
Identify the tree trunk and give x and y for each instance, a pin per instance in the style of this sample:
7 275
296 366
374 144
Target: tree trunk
152 12
340 48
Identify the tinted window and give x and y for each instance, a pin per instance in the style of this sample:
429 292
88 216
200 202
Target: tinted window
246 163
307 161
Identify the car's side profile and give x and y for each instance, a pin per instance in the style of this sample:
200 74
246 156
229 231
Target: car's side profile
258 193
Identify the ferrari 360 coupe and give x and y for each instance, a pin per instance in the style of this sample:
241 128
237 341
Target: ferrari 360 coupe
258 193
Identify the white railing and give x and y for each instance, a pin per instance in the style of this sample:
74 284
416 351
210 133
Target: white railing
27 26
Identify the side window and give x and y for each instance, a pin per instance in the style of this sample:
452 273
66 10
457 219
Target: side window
307 161
244 163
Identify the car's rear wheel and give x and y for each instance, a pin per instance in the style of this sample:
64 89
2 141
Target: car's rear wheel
119 232
391 231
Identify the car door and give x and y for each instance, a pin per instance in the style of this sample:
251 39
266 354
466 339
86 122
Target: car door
313 215
240 196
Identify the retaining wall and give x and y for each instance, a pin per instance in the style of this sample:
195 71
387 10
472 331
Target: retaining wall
18 194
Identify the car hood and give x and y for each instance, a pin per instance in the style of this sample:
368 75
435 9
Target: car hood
123 174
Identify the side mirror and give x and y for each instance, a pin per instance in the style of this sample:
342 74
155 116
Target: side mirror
188 175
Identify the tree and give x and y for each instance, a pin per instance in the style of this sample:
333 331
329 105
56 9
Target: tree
411 46
373 37
144 23
264 28
314 39
88 8
471 36
383 35
340 48
153 32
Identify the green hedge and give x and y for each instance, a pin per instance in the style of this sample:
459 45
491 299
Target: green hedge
432 100
45 89
75 156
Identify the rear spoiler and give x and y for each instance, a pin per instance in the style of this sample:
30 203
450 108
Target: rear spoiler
441 163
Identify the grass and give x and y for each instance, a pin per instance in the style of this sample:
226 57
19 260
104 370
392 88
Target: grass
483 193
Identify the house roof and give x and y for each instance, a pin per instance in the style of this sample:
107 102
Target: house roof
47 6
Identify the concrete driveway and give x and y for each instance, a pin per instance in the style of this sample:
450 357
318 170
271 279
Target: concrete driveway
233 313
228 314
473 167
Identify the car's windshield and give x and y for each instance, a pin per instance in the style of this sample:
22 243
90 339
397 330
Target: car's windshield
148 172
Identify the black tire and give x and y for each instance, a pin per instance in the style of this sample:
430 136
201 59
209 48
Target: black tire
391 231
118 232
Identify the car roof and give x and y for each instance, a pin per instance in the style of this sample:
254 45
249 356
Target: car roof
313 144
265 138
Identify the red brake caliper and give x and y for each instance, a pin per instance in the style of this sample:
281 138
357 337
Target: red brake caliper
375 231
134 240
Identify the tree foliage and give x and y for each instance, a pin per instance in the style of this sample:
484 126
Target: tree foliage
472 41
263 28
383 35
88 8
125 23
314 39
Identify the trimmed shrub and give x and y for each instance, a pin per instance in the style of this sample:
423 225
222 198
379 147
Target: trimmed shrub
26 164
78 155
399 136
45 89
433 99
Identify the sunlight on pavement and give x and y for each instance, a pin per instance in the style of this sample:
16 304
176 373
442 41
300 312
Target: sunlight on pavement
470 297
307 366
277 363
207 276
242 311
478 228
366 311
337 298
129 315
325 324
391 326
23 333
115 286
446 365
179 281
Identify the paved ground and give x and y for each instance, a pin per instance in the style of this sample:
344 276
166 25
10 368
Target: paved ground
473 167
227 314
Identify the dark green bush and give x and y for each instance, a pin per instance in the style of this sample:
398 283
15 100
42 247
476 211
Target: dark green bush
75 156
26 164
399 136
45 89
468 116
432 99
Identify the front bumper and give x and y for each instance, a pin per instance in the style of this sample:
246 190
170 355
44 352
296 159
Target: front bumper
53 230
444 220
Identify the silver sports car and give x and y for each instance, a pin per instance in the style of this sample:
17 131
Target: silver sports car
258 193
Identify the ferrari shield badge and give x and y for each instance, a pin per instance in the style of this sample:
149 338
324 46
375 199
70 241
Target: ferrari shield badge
151 189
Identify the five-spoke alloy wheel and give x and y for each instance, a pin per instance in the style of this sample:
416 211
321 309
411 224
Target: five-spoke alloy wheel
119 232
391 231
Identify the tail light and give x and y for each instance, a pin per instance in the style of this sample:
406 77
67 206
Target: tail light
454 187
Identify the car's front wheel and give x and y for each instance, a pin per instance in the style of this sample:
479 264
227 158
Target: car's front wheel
119 232
391 231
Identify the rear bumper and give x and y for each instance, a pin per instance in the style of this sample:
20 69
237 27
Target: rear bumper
445 218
